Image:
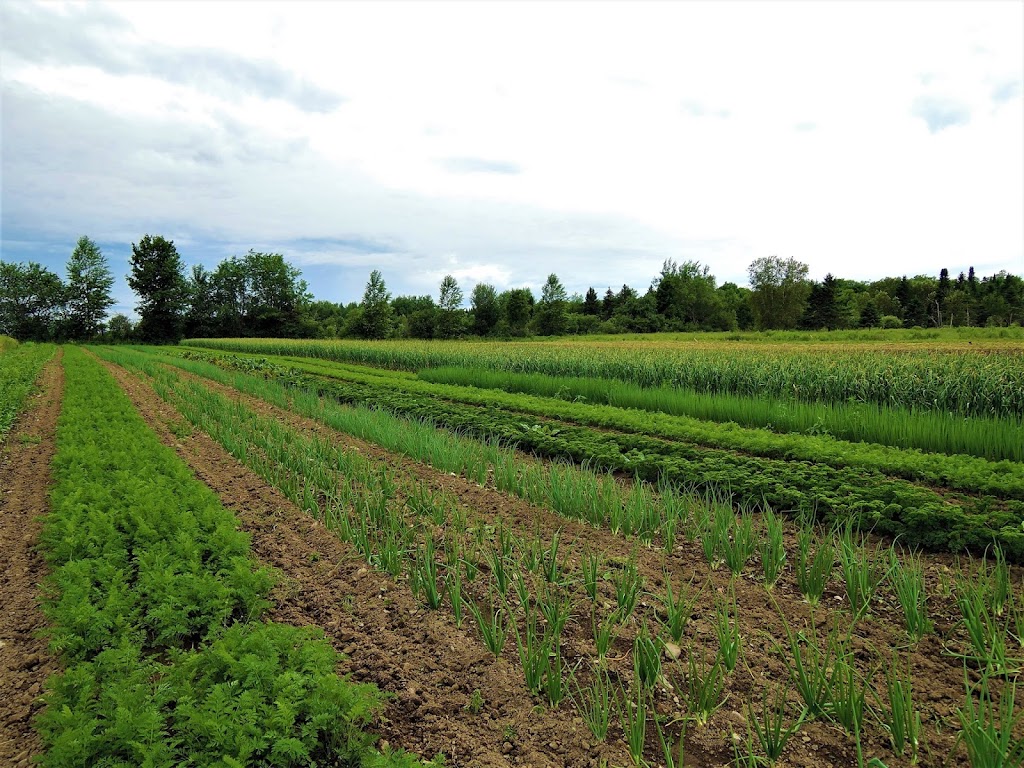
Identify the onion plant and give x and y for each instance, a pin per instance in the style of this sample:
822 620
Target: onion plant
863 568
679 607
907 577
773 548
813 571
633 712
990 727
590 563
728 630
595 702
628 584
646 658
704 687
770 727
900 718
491 624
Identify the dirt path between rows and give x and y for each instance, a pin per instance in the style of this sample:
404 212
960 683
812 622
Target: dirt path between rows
25 481
431 667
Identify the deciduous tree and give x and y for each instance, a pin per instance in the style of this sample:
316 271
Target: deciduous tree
779 291
486 309
449 320
376 319
551 313
157 277
88 290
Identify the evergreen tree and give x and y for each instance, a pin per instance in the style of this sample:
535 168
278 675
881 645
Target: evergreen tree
608 304
590 305
870 317
822 309
88 290
157 277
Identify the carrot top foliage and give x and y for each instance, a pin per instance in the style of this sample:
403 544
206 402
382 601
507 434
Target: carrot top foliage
156 609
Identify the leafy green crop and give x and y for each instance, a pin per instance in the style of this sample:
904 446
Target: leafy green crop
19 368
155 601
966 473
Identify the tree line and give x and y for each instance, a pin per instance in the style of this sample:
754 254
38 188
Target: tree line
261 294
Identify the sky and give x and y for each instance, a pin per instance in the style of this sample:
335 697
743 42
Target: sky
501 142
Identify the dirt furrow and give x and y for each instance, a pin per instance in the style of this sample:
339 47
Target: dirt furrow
25 481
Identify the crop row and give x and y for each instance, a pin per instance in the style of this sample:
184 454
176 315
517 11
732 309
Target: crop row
963 473
932 431
155 606
920 517
19 368
964 383
534 590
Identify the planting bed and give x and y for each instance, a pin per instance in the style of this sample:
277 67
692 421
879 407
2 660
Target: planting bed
529 577
935 663
25 482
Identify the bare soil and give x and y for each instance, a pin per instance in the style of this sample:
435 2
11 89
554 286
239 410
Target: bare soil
433 667
25 481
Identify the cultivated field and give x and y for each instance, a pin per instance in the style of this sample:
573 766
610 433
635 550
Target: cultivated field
695 551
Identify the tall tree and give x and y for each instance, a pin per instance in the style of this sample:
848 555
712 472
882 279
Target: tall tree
376 308
779 291
157 276
88 290
870 317
119 328
822 310
486 309
608 304
686 293
517 308
31 300
551 314
201 315
591 306
449 319
937 302
735 304
277 295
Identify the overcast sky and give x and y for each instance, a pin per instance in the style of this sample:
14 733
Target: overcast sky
503 142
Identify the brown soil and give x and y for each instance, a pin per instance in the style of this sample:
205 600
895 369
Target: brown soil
433 667
25 662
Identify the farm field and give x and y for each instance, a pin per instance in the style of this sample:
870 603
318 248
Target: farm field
722 552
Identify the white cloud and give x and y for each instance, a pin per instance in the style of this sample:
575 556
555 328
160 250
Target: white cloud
593 140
